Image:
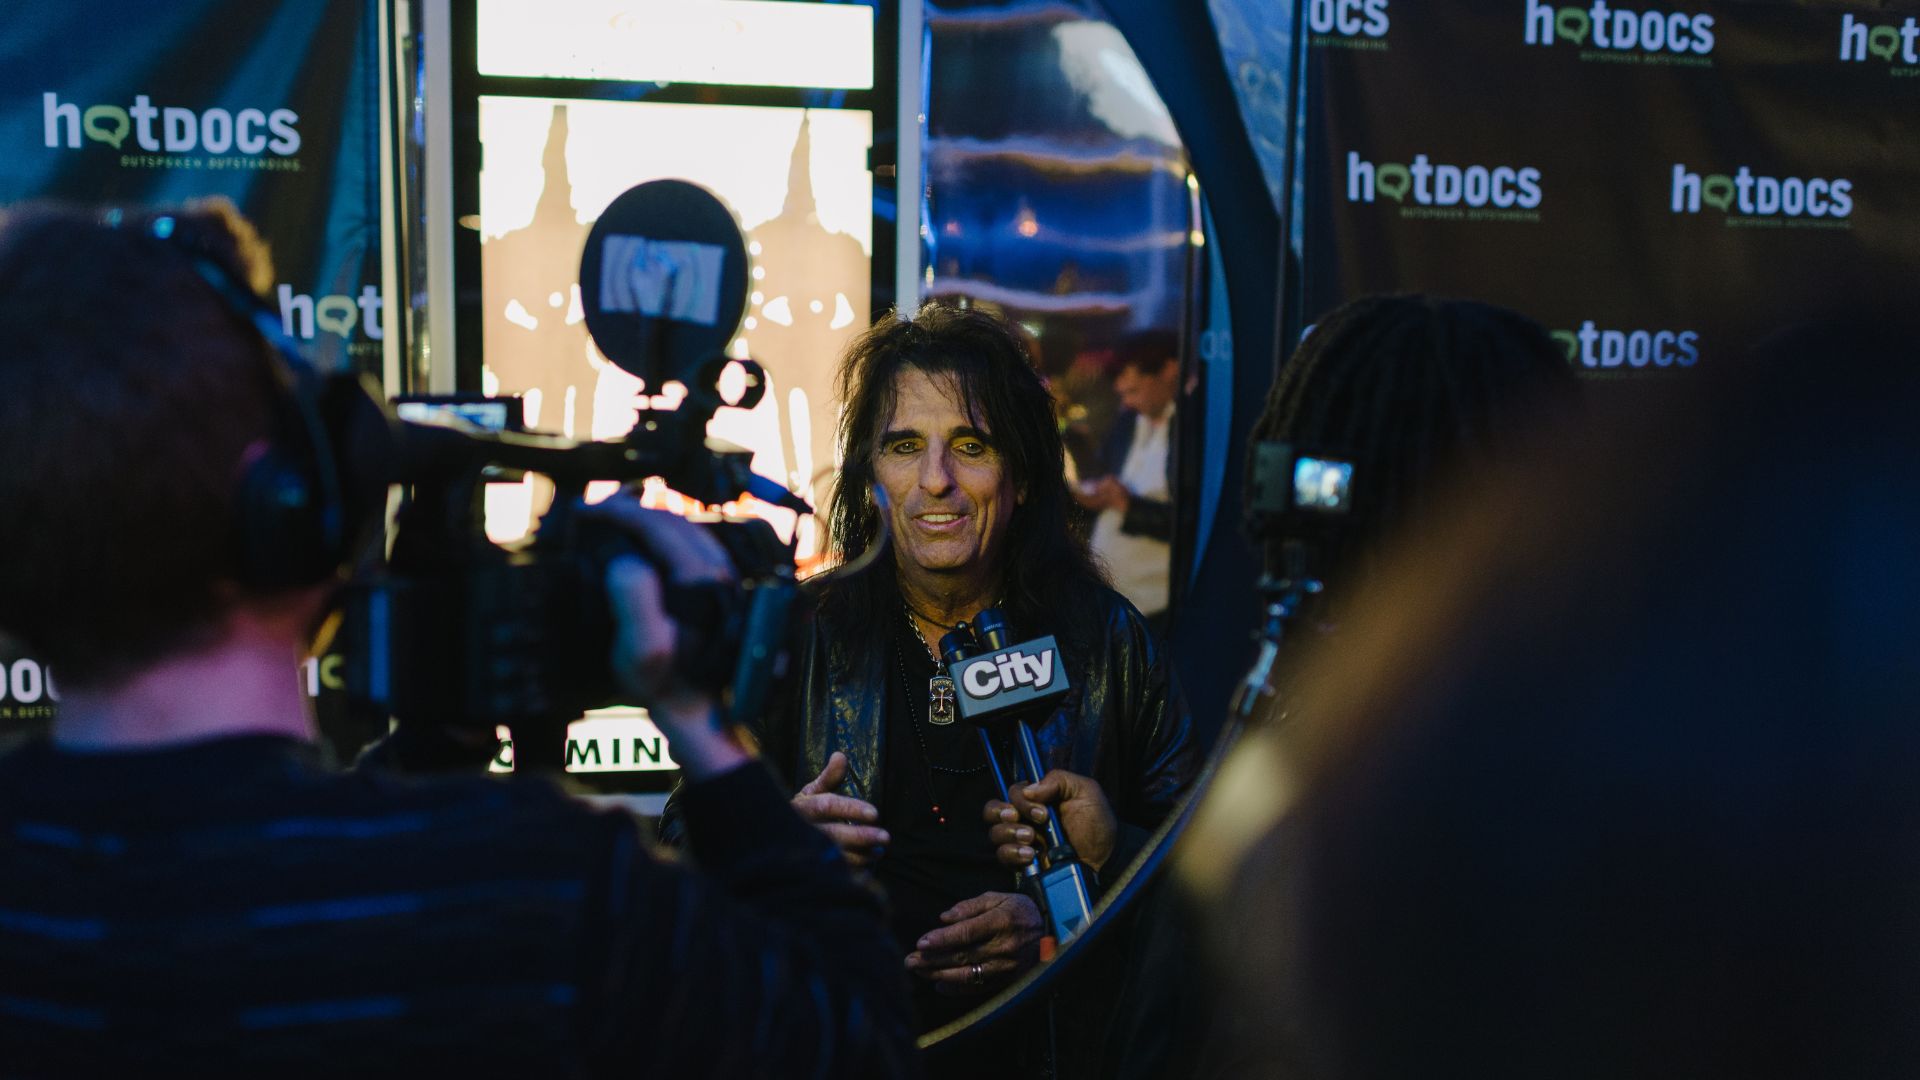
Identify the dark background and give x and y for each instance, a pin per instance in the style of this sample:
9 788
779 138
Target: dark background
1459 83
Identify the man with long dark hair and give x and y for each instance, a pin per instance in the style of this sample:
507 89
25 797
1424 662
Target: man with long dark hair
950 450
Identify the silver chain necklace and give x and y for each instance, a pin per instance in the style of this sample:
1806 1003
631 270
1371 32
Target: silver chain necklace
940 693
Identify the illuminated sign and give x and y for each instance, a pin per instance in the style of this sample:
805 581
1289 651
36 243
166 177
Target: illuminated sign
605 740
729 42
799 183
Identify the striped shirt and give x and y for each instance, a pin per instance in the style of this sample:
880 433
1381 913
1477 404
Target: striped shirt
231 907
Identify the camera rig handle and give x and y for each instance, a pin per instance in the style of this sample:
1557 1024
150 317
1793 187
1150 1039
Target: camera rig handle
1284 589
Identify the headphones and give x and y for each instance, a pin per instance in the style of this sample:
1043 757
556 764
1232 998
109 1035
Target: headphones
301 508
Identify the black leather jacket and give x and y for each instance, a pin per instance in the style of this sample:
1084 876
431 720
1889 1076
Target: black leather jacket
1124 723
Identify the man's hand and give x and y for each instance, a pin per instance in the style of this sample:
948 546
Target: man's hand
852 823
1085 815
986 940
641 657
1106 493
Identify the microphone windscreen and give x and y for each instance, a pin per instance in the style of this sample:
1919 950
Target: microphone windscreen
991 626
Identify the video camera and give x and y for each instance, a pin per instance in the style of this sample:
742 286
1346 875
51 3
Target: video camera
1295 490
455 637
1297 501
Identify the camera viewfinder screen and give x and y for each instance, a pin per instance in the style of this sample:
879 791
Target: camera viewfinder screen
1321 484
487 415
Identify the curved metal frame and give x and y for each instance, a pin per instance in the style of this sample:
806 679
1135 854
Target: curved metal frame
1178 49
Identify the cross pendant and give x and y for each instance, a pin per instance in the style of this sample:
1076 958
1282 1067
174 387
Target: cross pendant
940 700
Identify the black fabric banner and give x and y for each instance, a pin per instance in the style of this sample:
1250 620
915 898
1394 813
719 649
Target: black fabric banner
274 105
27 693
1659 184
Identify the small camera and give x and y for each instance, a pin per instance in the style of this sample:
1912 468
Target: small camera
1294 492
1298 502
1321 484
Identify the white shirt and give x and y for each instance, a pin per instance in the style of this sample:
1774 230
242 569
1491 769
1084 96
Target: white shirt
1139 565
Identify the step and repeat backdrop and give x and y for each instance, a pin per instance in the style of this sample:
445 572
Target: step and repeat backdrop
1659 184
274 106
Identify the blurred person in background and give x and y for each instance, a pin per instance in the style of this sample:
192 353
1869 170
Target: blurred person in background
1411 390
1415 392
1612 773
1132 493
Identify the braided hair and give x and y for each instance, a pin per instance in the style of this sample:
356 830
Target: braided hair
1408 388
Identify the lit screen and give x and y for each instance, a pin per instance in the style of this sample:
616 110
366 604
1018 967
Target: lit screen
731 42
489 415
1320 484
798 181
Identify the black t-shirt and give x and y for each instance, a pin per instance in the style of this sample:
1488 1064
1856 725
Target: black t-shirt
932 865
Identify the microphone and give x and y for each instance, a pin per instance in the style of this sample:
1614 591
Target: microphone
1014 682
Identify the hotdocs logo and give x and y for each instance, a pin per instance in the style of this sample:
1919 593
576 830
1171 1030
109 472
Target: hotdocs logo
1425 189
303 316
1594 347
27 692
1623 36
1895 44
1754 201
1348 24
151 136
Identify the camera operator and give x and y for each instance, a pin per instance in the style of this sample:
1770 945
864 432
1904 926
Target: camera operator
183 886
1631 791
1408 390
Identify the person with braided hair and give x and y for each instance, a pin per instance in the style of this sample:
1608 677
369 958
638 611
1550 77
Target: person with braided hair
1414 391
1622 784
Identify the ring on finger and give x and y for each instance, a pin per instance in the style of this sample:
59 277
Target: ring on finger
976 975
